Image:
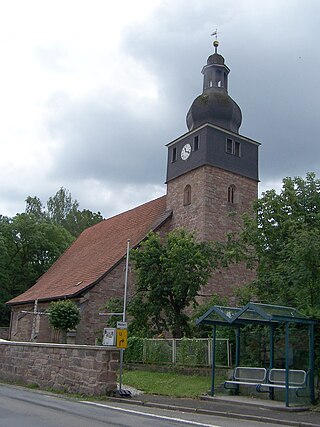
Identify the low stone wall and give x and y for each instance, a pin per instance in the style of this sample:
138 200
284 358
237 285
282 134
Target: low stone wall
4 333
79 369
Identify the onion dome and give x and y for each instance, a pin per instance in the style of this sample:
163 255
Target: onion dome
214 105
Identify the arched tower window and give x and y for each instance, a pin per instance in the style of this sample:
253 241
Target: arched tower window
231 194
187 195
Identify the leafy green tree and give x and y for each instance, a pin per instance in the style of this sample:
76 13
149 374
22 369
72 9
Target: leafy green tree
64 315
169 274
77 221
34 206
31 241
28 247
61 205
283 241
63 210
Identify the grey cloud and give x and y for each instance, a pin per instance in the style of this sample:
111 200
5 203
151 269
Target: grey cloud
273 78
108 144
273 60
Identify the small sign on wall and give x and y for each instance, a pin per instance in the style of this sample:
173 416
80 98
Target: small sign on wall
109 336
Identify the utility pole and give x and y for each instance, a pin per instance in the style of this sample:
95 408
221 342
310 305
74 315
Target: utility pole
120 392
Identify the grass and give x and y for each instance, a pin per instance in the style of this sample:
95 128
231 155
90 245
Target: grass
169 383
162 383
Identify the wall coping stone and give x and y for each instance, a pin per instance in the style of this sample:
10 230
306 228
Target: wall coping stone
53 345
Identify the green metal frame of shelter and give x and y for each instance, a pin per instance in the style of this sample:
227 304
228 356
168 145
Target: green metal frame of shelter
261 314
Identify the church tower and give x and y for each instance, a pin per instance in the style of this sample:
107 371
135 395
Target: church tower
212 170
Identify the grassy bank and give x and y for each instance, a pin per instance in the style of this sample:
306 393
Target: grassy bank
168 383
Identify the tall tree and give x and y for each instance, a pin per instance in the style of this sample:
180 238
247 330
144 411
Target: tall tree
284 239
63 210
28 247
31 241
34 206
169 274
61 205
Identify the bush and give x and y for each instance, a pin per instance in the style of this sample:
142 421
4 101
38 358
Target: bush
63 315
134 352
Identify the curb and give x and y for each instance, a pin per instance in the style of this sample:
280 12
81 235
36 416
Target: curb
212 412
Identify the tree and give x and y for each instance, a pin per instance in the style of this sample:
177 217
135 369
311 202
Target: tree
34 206
169 274
284 239
77 221
31 241
61 205
64 211
28 247
64 315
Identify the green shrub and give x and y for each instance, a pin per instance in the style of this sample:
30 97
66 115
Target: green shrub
63 315
134 352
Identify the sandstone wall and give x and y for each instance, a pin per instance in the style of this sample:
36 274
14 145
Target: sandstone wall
211 215
4 333
72 368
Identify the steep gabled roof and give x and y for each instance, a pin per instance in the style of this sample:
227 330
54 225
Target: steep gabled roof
96 251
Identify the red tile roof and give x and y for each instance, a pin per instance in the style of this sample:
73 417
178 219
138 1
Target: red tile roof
97 250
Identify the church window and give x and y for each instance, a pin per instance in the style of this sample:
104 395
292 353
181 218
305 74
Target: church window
231 194
237 148
229 146
233 147
174 155
187 195
225 80
196 143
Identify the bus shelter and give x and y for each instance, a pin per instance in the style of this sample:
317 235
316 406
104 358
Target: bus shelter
265 315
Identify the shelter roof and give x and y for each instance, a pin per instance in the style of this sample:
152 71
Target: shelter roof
95 252
253 313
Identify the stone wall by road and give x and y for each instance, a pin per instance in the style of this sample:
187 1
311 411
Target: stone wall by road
4 333
89 370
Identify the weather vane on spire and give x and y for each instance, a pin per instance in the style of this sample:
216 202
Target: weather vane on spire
215 42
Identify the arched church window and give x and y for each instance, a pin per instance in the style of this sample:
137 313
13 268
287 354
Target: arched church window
231 194
187 195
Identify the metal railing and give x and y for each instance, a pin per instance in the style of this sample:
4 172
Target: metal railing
187 352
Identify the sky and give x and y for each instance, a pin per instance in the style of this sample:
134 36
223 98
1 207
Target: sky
91 91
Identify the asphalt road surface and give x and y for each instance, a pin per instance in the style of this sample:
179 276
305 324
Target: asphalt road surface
25 408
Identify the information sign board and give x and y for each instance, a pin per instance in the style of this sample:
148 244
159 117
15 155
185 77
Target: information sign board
109 336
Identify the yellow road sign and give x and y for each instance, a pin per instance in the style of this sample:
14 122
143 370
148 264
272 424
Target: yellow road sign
122 338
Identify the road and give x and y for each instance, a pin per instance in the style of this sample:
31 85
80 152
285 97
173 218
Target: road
27 408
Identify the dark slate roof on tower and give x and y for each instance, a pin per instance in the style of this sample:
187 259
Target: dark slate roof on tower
214 105
95 252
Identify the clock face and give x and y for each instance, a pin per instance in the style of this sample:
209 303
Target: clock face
186 151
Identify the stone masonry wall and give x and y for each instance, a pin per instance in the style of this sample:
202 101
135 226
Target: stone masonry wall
111 286
71 368
4 333
93 302
210 216
90 328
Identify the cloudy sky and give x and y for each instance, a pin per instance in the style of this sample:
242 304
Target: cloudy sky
92 90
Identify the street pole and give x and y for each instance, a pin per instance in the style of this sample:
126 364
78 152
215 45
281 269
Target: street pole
124 309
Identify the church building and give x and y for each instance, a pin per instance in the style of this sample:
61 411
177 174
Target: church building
212 179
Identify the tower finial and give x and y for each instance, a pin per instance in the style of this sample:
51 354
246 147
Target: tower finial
215 42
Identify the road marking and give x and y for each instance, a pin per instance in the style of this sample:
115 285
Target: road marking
162 417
